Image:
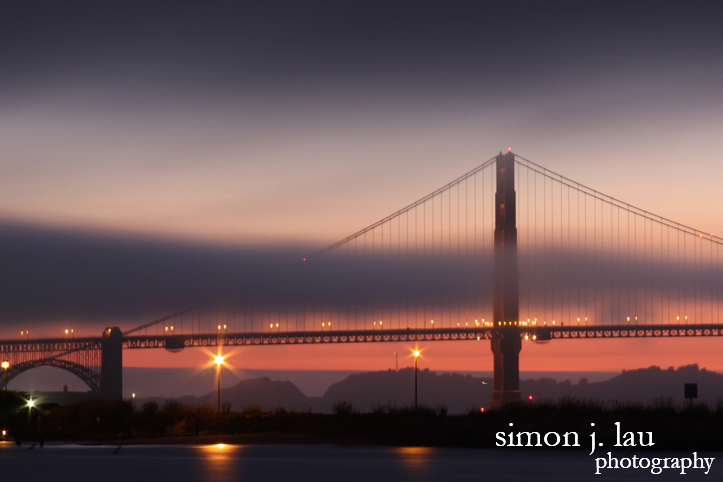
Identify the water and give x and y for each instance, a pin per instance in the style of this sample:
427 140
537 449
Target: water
319 463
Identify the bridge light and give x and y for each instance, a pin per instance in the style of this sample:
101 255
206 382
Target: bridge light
218 359
586 319
534 337
628 319
133 395
6 364
31 403
527 337
166 328
677 318
66 332
416 353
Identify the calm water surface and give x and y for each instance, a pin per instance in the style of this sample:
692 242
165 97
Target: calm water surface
322 463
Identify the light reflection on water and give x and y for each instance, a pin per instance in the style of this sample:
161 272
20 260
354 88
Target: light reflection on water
318 463
219 462
414 459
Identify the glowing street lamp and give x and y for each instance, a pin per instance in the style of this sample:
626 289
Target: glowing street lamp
416 356
219 361
6 365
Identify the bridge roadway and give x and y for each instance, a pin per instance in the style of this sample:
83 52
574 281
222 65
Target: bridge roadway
62 346
541 333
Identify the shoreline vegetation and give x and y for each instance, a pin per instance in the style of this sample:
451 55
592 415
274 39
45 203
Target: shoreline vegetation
672 427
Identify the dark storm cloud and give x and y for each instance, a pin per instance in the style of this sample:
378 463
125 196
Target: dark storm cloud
178 48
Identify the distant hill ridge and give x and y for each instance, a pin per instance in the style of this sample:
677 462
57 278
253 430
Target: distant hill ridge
460 393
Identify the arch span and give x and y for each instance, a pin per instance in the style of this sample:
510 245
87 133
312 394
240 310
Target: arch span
89 376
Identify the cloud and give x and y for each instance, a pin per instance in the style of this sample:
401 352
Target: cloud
55 276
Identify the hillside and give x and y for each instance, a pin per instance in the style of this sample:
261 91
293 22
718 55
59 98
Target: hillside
460 393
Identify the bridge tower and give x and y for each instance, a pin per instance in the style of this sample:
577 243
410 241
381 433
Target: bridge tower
111 371
506 343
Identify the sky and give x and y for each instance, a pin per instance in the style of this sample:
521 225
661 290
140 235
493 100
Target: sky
157 152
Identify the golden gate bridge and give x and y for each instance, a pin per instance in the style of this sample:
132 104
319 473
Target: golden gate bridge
509 252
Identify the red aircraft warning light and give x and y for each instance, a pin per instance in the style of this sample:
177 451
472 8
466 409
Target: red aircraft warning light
529 398
482 410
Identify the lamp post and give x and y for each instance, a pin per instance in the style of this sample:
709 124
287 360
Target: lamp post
416 355
219 362
5 366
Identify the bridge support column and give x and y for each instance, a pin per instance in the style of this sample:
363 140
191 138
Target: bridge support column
506 343
111 371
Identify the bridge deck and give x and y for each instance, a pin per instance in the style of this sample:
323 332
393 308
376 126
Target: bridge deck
177 341
413 335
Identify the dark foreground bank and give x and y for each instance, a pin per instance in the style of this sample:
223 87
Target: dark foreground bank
666 425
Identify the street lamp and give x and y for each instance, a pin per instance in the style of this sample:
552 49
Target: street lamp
5 366
219 361
416 355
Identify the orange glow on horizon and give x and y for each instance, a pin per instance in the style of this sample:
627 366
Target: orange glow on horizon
609 355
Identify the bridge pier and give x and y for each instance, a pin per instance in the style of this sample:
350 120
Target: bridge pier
111 371
506 343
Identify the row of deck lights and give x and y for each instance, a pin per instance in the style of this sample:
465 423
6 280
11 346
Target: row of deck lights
327 325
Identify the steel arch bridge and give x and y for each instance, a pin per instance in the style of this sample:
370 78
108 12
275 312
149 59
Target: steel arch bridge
82 358
96 361
91 376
